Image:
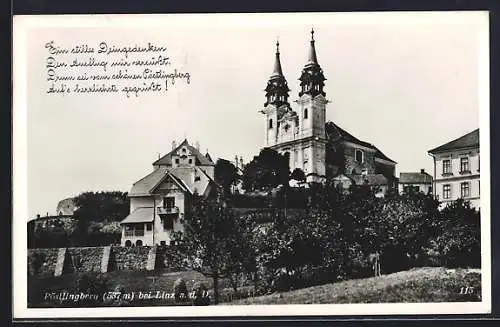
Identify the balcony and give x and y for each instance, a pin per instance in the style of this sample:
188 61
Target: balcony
162 211
137 232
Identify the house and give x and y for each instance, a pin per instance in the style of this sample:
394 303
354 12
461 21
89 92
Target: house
456 170
320 149
377 182
159 200
415 182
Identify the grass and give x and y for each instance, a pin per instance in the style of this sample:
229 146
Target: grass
131 281
413 286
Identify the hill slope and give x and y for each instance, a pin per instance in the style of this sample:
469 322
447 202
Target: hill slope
415 285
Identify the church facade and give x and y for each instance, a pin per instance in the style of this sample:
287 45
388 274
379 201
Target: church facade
319 148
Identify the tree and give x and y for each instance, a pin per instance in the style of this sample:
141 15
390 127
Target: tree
214 240
268 169
98 207
298 174
226 174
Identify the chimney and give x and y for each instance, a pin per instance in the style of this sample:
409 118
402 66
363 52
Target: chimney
159 155
197 145
236 161
173 145
422 171
241 162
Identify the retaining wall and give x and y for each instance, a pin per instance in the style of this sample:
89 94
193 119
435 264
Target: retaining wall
101 259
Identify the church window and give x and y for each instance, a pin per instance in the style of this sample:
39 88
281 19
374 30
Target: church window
270 123
190 161
305 113
359 157
177 161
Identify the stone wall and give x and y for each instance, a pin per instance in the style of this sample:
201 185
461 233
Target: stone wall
42 261
96 259
84 259
129 258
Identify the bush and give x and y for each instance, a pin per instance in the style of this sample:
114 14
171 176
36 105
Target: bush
180 290
200 294
35 262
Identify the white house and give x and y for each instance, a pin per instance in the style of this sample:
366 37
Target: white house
456 170
159 200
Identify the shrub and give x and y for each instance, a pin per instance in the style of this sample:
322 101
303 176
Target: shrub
35 262
180 290
200 294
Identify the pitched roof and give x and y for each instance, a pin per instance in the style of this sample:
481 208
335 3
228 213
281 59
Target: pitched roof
182 176
336 133
207 155
373 179
139 215
468 140
415 178
145 184
201 160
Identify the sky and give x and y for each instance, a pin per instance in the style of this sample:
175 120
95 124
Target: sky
405 82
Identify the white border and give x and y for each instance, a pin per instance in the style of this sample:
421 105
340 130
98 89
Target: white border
22 24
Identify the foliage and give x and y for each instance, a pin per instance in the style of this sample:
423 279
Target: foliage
214 241
268 169
459 240
298 174
180 290
225 174
200 294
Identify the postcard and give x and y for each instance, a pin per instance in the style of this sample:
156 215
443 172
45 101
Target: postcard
278 164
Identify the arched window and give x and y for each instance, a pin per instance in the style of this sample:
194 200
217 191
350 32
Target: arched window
359 156
128 243
270 123
138 243
305 113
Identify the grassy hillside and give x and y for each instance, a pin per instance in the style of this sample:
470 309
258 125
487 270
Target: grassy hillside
416 285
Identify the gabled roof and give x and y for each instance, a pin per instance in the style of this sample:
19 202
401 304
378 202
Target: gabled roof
139 215
148 182
415 178
336 133
201 160
182 176
467 141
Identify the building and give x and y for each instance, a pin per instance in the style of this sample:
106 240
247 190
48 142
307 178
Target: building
321 149
456 170
415 182
159 200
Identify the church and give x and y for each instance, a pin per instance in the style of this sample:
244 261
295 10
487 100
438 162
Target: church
321 149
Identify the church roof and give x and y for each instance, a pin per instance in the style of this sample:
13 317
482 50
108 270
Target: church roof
468 140
201 160
336 133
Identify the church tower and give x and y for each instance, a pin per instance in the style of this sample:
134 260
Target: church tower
276 104
299 135
312 115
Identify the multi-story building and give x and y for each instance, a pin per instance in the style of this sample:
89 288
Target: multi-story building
159 201
456 170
